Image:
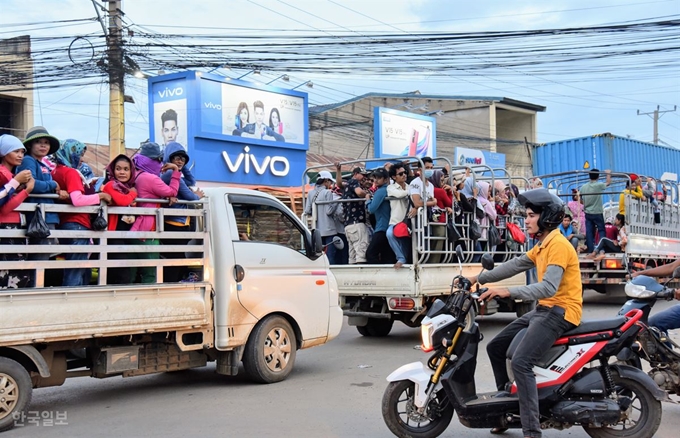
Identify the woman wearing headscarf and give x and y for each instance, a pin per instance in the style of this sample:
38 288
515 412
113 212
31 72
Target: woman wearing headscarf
442 194
488 213
68 178
149 185
15 190
120 184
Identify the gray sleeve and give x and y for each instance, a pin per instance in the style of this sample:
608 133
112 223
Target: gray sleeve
544 289
506 270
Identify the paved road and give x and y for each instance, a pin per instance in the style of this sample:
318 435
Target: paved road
335 391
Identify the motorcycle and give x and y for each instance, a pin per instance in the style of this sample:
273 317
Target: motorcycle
614 400
651 344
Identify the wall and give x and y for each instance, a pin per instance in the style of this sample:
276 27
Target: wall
16 89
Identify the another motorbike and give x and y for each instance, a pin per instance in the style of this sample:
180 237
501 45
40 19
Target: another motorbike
651 344
576 383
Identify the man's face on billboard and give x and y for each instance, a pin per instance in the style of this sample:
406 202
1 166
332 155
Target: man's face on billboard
259 115
169 131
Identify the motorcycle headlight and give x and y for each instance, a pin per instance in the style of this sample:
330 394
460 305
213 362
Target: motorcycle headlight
426 331
638 291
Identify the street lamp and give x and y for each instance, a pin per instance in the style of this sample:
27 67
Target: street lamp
284 78
309 84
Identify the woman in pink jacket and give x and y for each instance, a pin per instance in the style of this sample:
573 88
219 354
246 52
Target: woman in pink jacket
149 185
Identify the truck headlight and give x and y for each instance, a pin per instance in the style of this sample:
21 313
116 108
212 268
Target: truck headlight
426 332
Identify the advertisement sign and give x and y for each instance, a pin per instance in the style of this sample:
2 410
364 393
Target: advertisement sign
403 134
474 157
169 112
234 131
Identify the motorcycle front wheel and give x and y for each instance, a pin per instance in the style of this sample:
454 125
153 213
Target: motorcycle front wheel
640 420
402 418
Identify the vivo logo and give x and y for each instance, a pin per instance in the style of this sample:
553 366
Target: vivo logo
211 105
245 159
171 92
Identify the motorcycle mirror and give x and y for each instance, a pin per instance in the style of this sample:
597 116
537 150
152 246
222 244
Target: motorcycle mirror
459 256
676 272
487 262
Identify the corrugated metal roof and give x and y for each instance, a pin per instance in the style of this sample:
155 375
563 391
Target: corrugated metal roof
319 109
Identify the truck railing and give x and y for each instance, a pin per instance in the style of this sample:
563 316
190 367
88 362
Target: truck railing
113 249
425 241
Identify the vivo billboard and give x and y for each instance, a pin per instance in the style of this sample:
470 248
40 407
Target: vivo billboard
403 134
234 131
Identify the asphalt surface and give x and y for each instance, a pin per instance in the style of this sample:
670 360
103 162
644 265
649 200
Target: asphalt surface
334 391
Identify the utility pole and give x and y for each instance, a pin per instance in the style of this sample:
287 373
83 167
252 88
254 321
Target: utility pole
114 43
656 115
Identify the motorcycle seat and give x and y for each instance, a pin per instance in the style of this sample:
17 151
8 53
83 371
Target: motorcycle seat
596 325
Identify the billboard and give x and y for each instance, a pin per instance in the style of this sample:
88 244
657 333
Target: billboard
474 157
403 134
234 131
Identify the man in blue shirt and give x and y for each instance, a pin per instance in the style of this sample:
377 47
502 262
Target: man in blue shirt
567 231
379 250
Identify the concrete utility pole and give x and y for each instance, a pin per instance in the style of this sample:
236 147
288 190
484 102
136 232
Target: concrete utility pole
114 42
656 116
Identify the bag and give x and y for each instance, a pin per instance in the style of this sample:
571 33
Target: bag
38 228
403 228
515 233
99 223
475 231
493 236
452 233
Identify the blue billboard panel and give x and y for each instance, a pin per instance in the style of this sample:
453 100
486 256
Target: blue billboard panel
475 157
403 134
234 131
241 163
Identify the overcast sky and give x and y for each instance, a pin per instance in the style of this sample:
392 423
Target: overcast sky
574 108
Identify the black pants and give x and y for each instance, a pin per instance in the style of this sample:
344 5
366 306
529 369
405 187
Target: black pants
544 325
379 250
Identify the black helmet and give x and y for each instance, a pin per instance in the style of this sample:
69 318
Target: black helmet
550 207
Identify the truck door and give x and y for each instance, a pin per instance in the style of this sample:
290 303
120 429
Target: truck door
278 275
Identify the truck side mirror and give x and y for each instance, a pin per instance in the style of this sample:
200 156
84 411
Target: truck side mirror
676 272
317 246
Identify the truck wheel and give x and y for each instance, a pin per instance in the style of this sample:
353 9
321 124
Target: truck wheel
363 330
379 327
270 352
16 390
523 307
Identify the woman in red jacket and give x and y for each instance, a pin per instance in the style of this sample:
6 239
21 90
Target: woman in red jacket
15 190
120 177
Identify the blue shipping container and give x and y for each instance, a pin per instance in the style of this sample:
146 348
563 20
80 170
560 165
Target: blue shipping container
606 151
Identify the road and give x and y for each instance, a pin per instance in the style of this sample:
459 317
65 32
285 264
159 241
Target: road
334 391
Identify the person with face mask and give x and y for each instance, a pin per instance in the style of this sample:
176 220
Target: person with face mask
423 196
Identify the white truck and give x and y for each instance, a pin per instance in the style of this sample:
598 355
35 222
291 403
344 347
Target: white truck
266 291
374 296
652 241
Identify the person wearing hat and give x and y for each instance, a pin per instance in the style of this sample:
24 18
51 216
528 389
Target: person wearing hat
149 165
67 177
39 144
356 217
176 154
634 189
329 217
16 189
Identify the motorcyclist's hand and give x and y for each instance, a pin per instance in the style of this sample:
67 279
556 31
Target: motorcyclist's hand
500 292
473 280
635 274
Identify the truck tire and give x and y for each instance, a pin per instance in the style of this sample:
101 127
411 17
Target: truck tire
524 307
270 351
16 390
377 327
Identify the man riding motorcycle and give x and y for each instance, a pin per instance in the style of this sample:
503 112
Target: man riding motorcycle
669 319
559 296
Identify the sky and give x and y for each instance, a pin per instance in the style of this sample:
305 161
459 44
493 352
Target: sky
577 105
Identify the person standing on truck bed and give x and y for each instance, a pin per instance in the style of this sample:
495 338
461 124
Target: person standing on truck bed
149 185
39 144
398 194
68 158
379 251
16 189
356 217
634 189
329 217
591 197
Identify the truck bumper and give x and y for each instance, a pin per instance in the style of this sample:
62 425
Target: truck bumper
334 321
